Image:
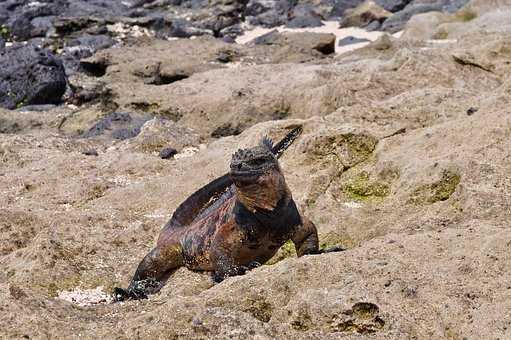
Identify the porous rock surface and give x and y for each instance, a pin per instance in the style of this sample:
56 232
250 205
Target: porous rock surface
404 161
30 75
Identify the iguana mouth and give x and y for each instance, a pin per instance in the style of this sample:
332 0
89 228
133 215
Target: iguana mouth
246 177
247 173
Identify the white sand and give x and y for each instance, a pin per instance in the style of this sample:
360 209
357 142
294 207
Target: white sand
86 297
328 27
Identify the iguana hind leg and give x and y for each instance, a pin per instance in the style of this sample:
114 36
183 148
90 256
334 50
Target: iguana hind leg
152 272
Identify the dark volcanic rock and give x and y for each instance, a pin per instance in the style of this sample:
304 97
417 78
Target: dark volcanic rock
90 152
397 21
30 75
373 26
64 26
304 21
231 31
228 39
167 153
118 125
83 47
29 20
181 28
93 42
267 38
90 93
303 41
303 16
267 13
393 5
342 5
351 40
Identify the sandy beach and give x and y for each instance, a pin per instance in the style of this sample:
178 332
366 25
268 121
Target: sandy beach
329 27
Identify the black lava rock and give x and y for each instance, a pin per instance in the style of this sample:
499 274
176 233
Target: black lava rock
30 75
167 153
90 152
118 125
393 5
302 16
268 13
81 48
267 38
341 5
93 42
228 39
304 21
397 21
351 40
472 110
108 122
184 29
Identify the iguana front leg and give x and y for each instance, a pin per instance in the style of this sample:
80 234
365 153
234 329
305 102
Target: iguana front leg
225 265
306 241
305 238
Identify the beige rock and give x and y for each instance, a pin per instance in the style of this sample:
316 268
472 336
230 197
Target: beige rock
424 26
364 14
483 6
404 161
159 133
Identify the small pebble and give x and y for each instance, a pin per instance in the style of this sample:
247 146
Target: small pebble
228 39
90 152
472 110
167 153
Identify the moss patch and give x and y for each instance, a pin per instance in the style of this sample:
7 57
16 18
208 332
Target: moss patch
287 250
301 320
362 188
54 287
466 15
441 34
333 239
346 150
437 191
283 111
4 32
260 309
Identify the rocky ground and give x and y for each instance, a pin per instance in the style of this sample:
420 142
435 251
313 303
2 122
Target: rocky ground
404 161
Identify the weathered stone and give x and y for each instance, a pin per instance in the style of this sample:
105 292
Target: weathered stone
302 16
424 26
167 153
364 14
351 40
30 75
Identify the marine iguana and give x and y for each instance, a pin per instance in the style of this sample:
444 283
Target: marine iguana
233 224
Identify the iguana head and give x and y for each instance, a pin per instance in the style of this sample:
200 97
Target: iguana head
257 176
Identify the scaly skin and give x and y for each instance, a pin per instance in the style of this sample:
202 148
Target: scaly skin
244 228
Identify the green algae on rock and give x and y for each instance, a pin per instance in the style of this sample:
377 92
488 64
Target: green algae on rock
362 188
346 149
287 250
437 191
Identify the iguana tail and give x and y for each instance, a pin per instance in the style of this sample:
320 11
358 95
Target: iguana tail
279 148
